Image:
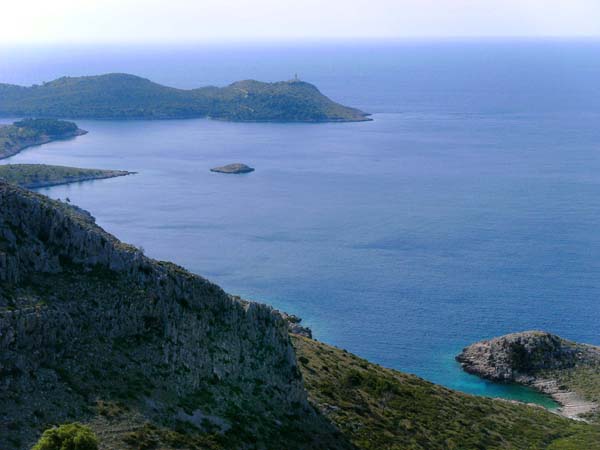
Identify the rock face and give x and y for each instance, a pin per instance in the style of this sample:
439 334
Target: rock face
233 168
85 318
295 327
516 356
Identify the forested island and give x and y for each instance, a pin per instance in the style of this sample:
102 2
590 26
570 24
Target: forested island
34 176
124 96
29 132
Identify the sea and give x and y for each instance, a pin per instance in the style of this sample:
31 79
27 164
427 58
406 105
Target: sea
468 208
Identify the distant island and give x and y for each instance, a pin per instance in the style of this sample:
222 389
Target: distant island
123 96
34 176
233 168
29 132
566 370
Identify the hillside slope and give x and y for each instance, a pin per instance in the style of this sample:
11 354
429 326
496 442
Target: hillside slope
153 357
378 408
92 330
123 96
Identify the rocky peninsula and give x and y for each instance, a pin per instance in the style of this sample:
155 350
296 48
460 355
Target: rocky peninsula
566 370
30 132
33 176
233 168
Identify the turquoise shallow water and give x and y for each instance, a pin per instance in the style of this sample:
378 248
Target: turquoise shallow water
468 208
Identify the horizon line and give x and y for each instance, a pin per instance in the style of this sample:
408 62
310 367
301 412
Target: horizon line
315 40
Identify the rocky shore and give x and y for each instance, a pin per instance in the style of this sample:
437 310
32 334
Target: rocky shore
543 361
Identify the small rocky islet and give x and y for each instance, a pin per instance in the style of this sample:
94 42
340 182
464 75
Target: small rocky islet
235 168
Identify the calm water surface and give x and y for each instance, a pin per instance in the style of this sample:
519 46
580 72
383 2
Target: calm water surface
468 208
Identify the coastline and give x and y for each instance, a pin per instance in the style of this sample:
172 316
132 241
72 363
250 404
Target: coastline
572 405
114 174
542 361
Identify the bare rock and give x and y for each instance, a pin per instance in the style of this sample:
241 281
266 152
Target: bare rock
233 168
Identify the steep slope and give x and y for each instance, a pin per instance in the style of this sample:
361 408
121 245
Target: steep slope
92 330
378 408
123 96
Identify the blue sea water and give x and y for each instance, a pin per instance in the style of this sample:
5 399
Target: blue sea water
468 208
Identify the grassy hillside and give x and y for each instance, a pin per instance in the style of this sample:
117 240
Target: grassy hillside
122 96
378 408
41 175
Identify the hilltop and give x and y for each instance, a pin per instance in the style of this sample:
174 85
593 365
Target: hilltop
152 356
29 132
124 96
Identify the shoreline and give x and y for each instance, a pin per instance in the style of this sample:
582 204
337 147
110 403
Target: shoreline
541 361
116 174
572 405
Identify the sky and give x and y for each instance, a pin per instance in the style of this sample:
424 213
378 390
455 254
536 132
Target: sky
113 21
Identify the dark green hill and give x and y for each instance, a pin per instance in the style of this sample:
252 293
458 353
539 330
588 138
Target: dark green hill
123 96
30 132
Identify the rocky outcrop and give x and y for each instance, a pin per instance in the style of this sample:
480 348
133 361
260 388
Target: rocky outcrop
295 327
537 359
85 317
514 356
233 168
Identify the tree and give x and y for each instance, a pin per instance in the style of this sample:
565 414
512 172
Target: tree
71 436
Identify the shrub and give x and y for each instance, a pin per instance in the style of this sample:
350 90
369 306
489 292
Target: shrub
71 436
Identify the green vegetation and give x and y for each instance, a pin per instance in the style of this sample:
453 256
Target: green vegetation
28 132
49 127
72 436
378 408
122 96
41 175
